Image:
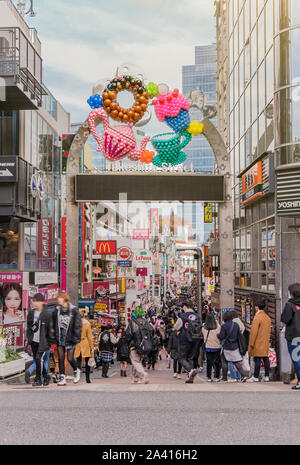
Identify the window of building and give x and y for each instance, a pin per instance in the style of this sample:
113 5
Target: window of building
9 133
8 248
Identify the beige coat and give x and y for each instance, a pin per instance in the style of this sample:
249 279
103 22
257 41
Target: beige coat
213 342
259 342
86 344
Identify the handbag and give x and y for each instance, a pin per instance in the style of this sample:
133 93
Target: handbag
241 340
204 345
272 358
91 362
245 362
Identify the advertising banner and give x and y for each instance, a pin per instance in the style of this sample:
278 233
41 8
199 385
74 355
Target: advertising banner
106 247
140 234
142 271
11 305
14 335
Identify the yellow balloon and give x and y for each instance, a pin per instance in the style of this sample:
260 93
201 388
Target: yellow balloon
195 128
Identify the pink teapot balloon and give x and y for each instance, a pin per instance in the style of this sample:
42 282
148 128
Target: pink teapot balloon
118 142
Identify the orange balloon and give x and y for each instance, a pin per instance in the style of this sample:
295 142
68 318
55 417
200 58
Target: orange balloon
147 156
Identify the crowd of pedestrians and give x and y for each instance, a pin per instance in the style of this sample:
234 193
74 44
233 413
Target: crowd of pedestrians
176 330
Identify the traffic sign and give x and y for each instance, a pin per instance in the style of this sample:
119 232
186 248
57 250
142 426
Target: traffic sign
8 169
124 253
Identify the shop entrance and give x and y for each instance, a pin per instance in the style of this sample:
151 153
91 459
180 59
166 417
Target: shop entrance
98 187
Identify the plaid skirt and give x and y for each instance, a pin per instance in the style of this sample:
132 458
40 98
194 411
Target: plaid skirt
106 356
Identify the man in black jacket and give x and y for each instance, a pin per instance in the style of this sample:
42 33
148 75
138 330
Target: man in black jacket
39 334
291 317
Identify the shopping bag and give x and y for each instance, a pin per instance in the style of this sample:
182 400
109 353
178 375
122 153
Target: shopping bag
91 362
245 362
272 358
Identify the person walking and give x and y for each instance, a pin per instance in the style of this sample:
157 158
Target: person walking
85 348
139 335
67 333
212 346
230 352
259 341
235 375
291 318
123 352
39 335
107 342
173 349
190 328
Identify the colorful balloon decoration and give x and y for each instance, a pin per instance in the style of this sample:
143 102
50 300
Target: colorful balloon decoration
111 106
119 142
196 128
95 101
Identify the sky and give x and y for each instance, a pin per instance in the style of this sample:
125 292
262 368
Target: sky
85 41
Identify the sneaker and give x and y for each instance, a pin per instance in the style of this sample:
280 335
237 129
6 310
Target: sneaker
47 380
252 380
193 373
62 381
266 379
296 387
233 380
27 377
200 369
221 380
189 381
244 379
145 379
178 377
175 375
77 376
55 378
37 383
209 380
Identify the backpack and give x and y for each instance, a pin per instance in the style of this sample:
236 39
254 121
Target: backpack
193 328
146 344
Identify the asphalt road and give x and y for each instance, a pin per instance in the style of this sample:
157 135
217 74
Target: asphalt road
149 418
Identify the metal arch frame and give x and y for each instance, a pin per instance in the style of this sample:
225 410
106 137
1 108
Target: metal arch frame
216 142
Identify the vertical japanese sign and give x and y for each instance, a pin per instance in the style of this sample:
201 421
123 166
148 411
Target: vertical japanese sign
208 213
45 244
63 258
86 242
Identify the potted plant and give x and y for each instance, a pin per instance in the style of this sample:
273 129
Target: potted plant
10 362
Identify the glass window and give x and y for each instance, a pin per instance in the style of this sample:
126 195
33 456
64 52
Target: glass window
254 140
261 134
247 63
9 133
241 31
254 97
288 115
242 115
230 16
269 75
8 248
247 107
269 23
261 38
246 19
231 54
261 87
253 14
287 57
248 146
253 51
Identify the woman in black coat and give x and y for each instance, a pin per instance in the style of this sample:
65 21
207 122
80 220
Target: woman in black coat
67 324
123 352
173 351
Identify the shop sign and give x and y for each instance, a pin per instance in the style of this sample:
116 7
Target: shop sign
106 247
86 242
208 213
124 253
45 243
100 307
8 169
100 288
86 290
45 278
64 237
52 293
140 234
12 310
252 185
211 285
125 263
143 256
14 335
288 192
11 277
141 271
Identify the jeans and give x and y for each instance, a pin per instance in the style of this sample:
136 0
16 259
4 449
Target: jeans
234 374
213 362
177 367
32 367
257 361
238 365
294 351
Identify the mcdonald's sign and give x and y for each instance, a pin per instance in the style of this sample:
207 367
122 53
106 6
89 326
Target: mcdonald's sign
106 247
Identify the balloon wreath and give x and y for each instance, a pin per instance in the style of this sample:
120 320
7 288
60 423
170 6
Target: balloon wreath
119 142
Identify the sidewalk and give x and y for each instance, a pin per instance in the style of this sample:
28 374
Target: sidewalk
161 379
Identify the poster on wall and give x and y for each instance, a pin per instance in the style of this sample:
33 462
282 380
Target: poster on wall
248 313
130 284
14 335
11 300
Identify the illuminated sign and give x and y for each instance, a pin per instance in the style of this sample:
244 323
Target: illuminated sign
252 184
106 247
208 213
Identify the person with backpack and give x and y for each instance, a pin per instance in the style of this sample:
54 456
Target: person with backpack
173 349
190 327
212 346
291 318
139 335
259 341
229 336
107 341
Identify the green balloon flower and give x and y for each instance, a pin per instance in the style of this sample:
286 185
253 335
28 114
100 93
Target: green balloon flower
152 89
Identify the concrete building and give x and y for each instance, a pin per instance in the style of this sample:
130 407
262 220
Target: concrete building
258 116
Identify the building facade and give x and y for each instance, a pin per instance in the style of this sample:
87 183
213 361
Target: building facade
200 157
258 115
32 123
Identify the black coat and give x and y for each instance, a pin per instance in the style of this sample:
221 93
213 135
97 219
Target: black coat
74 330
122 349
46 329
291 317
173 345
133 333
